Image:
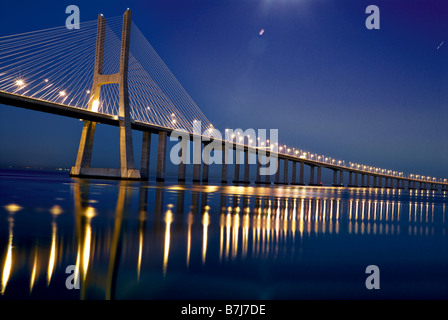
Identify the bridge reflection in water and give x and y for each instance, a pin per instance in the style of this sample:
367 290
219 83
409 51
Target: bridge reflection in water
150 231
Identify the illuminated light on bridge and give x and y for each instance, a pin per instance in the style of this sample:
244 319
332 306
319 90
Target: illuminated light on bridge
95 105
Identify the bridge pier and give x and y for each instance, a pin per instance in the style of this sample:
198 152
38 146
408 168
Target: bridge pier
294 173
335 179
182 160
285 171
302 169
311 175
146 150
197 159
82 165
236 176
375 183
84 157
161 156
205 164
246 166
319 175
267 178
277 173
224 174
257 173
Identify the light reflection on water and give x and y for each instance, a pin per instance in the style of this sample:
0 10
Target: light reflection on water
132 240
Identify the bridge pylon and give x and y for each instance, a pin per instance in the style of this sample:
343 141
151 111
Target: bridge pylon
82 166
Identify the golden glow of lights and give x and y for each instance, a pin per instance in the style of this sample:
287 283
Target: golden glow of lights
190 223
52 259
56 210
86 250
33 271
8 263
90 212
13 208
168 220
205 223
20 83
95 105
62 93
140 252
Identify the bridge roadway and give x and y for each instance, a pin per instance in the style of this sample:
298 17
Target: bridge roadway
79 113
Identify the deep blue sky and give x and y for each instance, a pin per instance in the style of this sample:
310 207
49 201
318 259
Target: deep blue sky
317 74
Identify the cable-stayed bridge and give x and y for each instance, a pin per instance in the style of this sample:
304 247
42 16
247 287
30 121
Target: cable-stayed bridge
107 72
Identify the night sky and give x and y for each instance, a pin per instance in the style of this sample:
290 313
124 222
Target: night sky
330 85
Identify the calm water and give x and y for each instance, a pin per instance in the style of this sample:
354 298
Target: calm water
132 240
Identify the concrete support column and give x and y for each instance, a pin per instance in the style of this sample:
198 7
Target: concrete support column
363 182
311 175
257 174
182 160
205 166
127 169
294 173
356 179
268 176
86 144
375 185
368 180
277 174
302 169
224 163
380 181
146 148
236 177
197 159
350 178
341 178
335 177
285 171
246 166
161 156
319 175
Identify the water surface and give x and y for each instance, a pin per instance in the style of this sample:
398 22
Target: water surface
143 240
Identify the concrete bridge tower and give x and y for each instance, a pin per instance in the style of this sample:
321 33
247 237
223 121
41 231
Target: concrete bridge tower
127 170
